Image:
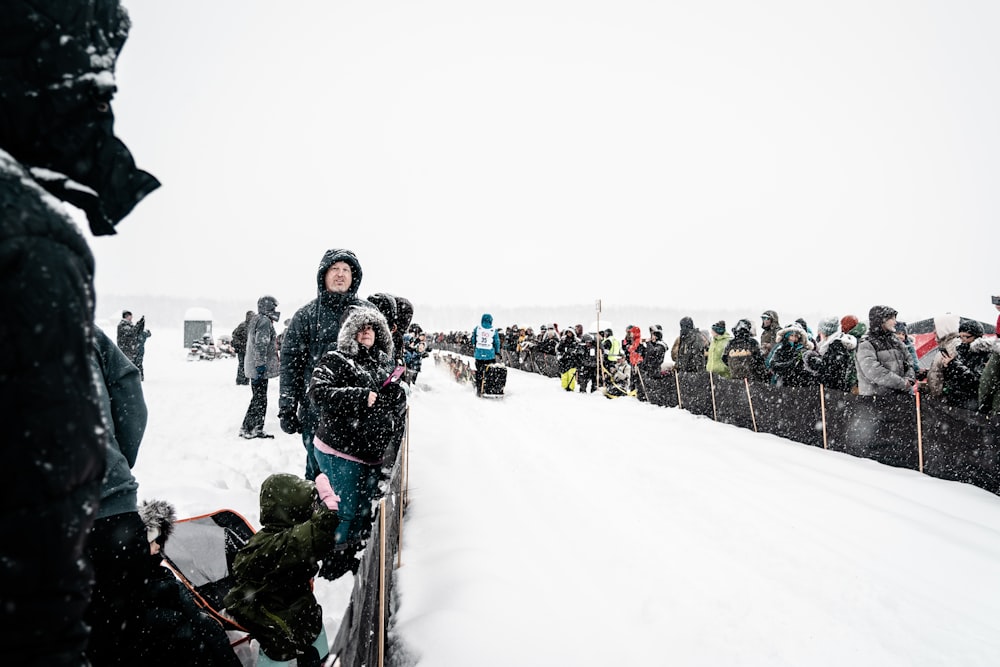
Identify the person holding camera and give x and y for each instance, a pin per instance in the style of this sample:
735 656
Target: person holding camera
355 388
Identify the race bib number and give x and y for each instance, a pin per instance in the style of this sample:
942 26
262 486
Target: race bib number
484 338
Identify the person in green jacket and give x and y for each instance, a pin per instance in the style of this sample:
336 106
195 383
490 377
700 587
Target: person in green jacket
720 340
272 596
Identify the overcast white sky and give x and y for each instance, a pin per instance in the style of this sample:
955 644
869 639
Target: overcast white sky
788 155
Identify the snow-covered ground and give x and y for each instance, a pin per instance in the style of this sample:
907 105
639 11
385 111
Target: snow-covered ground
551 528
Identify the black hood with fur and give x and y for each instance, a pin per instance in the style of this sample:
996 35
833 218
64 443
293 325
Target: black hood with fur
357 317
159 517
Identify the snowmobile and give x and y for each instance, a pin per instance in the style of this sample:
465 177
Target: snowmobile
203 350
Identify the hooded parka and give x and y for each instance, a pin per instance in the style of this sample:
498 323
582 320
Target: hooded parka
314 330
883 362
340 385
273 595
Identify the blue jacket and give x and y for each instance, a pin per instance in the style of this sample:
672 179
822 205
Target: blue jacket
486 339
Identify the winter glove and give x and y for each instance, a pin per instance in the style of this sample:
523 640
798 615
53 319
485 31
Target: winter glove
260 372
325 491
290 423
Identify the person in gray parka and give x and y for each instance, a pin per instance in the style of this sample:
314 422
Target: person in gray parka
883 362
260 364
313 330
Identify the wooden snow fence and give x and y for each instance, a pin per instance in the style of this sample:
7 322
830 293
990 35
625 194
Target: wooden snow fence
362 637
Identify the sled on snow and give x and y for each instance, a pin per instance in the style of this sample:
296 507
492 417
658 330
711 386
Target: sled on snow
494 381
200 552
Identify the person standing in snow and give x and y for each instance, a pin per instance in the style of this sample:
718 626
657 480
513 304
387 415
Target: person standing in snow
689 348
132 339
57 145
905 339
769 325
832 361
356 390
787 359
117 544
487 342
126 334
314 330
260 364
946 333
569 360
963 371
414 351
587 375
716 349
882 361
654 352
743 355
240 345
989 384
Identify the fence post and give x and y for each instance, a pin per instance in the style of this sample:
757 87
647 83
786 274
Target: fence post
403 489
711 384
753 417
822 410
381 582
920 436
406 458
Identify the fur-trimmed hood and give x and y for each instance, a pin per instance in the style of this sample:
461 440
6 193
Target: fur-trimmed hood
159 517
357 317
983 344
847 340
796 328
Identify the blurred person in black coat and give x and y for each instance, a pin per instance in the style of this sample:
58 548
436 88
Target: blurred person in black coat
56 143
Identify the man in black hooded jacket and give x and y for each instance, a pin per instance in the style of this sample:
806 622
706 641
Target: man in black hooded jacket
312 331
56 138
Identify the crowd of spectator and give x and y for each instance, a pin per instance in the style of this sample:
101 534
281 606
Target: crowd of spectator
872 358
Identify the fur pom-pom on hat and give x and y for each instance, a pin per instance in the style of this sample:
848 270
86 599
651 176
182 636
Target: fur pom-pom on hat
159 517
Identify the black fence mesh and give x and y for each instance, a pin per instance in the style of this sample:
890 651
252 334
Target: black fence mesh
955 444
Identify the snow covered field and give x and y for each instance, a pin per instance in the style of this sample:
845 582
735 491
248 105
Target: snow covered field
551 528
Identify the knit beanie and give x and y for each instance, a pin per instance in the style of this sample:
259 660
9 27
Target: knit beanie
829 325
848 322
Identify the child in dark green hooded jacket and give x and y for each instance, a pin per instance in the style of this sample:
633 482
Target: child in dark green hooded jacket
272 596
